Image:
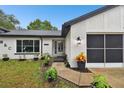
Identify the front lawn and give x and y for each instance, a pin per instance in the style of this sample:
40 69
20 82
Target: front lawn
14 73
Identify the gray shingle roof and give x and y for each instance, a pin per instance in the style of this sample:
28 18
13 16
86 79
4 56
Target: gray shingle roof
2 30
37 33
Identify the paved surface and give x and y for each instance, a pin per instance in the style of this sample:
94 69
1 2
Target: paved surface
115 76
81 79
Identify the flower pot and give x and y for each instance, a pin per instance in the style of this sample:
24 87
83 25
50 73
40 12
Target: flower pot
81 66
46 64
35 59
50 79
5 59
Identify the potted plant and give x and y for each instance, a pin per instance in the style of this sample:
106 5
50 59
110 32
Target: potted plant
5 57
46 59
36 57
67 64
81 61
51 74
99 81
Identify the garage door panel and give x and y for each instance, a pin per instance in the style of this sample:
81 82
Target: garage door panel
95 55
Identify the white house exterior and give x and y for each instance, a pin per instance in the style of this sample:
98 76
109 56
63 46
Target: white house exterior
13 43
101 33
102 37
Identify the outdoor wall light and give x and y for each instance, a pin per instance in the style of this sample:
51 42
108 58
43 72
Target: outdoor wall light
78 40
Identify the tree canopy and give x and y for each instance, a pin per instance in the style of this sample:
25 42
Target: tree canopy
8 21
41 25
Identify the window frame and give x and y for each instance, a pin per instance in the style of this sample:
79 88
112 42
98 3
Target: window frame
22 45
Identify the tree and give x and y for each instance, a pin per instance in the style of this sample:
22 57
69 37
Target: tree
36 25
39 25
8 21
54 28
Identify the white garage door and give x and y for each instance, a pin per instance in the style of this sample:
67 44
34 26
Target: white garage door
104 50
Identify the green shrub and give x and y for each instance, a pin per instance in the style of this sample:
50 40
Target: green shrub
100 82
46 59
67 64
51 72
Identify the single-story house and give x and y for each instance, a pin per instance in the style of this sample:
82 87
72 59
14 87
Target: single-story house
99 34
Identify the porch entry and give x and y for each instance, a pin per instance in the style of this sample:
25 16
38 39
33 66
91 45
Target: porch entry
58 47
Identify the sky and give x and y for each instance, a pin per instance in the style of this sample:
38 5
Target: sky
56 14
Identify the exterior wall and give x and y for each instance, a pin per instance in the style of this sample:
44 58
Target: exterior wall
47 45
77 30
10 50
67 47
110 22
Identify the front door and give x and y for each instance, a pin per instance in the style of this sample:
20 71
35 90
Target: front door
58 48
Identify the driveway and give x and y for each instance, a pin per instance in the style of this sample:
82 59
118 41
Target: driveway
115 76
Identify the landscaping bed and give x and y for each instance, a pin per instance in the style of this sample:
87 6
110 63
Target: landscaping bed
27 74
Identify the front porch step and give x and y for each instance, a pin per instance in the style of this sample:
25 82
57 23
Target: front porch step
59 59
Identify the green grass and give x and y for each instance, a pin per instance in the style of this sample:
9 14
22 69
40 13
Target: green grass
25 74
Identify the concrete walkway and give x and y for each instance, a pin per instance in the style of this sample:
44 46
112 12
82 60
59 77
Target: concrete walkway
115 76
83 79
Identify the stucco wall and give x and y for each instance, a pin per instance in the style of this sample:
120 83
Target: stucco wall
47 45
67 46
110 21
11 44
77 30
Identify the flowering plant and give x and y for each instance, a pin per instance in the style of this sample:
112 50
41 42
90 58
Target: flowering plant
81 57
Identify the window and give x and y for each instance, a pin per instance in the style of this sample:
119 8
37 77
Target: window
60 46
19 46
27 46
36 45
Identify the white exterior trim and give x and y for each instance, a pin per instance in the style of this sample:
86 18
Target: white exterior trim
102 65
95 65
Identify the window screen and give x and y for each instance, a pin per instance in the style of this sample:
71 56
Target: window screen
95 55
95 41
113 48
114 41
114 55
